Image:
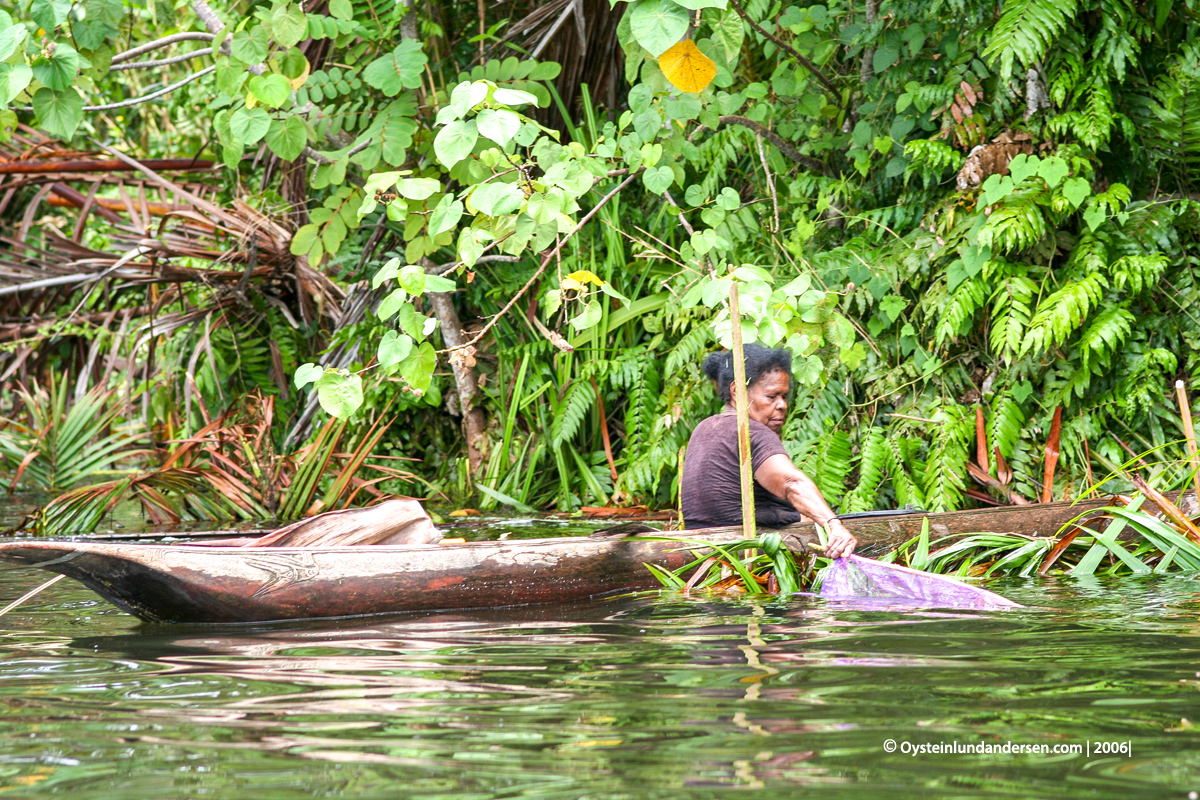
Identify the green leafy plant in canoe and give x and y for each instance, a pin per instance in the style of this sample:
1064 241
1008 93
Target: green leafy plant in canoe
769 564
1119 539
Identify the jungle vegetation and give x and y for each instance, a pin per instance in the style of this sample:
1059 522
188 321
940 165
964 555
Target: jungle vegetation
270 243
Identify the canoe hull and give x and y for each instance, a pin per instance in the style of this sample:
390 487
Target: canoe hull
197 584
226 584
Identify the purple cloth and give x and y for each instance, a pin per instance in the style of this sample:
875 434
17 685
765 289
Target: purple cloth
855 577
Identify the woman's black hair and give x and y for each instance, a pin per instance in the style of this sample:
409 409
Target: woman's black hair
759 361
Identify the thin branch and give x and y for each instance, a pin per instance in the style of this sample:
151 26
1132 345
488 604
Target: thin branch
770 182
687 226
157 44
546 259
317 156
148 97
783 146
162 62
442 269
782 45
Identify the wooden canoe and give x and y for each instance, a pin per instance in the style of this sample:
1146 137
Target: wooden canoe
207 584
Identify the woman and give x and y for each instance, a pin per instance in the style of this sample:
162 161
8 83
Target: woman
711 483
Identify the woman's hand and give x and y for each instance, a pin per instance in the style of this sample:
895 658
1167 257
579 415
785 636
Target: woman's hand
841 543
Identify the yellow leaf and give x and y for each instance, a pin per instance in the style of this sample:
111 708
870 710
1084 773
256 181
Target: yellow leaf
584 276
299 81
686 67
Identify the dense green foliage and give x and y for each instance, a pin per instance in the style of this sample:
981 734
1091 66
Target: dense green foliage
934 205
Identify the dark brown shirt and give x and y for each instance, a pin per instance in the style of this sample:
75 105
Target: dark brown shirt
712 489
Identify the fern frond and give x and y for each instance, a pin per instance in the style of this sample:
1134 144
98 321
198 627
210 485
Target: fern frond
908 489
1018 224
1175 101
1091 252
960 308
945 467
1138 272
1025 31
1010 316
871 465
1146 378
931 159
1066 67
828 462
1060 314
1004 427
574 407
689 348
1104 335
1117 46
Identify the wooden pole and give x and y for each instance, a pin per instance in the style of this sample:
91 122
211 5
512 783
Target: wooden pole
1190 432
30 594
742 404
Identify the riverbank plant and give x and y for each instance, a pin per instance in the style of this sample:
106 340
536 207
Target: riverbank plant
521 233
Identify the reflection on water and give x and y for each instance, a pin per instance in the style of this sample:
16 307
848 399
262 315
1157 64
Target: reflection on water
635 697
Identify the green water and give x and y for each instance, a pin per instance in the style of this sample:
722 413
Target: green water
653 696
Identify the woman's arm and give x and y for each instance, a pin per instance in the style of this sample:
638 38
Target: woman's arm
781 478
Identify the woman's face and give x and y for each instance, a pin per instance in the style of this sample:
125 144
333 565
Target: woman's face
768 399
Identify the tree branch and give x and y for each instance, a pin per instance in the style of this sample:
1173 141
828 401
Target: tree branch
782 45
187 36
784 147
162 62
546 259
207 16
148 97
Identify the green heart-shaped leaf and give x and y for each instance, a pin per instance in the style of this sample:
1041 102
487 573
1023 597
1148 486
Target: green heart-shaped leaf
1076 190
394 347
271 90
1053 170
58 112
249 124
498 124
658 24
455 142
340 394
658 179
1023 166
58 71
417 369
287 138
288 23
496 199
